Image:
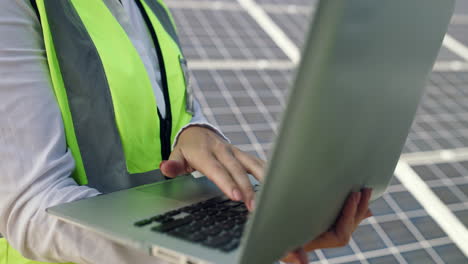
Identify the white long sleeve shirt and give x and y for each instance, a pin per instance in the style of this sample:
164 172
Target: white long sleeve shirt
35 164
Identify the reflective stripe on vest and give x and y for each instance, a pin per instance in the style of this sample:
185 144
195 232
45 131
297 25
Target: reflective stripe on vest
104 94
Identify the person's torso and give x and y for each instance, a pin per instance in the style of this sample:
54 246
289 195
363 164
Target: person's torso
113 64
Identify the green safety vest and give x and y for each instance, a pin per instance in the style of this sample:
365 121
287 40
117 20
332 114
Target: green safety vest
113 128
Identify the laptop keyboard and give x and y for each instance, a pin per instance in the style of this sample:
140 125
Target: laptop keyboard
216 223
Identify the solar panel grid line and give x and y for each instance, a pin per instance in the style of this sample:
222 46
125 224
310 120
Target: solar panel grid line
212 5
432 143
358 254
281 2
442 104
458 207
401 249
432 137
288 8
447 104
450 66
388 251
207 111
251 128
253 35
452 186
434 206
447 182
278 92
389 245
443 132
183 23
243 123
441 117
273 30
321 257
241 64
395 216
410 147
245 109
261 106
412 228
208 27
455 46
239 43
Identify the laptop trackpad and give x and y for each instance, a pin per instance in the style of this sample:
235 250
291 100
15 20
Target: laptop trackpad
183 188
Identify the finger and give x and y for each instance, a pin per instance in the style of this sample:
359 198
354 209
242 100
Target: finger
363 206
290 258
296 256
175 166
301 256
217 173
346 224
254 165
238 173
369 213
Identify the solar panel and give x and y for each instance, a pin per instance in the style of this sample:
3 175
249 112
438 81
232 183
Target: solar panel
223 34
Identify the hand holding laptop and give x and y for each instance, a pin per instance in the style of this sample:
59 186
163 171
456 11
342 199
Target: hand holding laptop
354 212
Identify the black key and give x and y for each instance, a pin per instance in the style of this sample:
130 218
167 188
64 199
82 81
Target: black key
222 208
208 221
217 241
212 231
231 246
188 229
143 222
208 204
197 205
166 220
200 212
158 218
179 234
211 212
220 218
239 209
198 216
172 225
197 224
234 234
197 237
230 214
238 228
219 199
240 220
172 213
187 209
237 234
232 204
228 225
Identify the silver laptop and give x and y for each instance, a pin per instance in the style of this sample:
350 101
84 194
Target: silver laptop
362 74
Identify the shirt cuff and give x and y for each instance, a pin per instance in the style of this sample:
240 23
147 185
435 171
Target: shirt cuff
200 124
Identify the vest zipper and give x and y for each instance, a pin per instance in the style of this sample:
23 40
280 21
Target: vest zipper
165 123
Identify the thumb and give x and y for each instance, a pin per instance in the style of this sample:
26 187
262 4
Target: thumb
175 166
301 256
